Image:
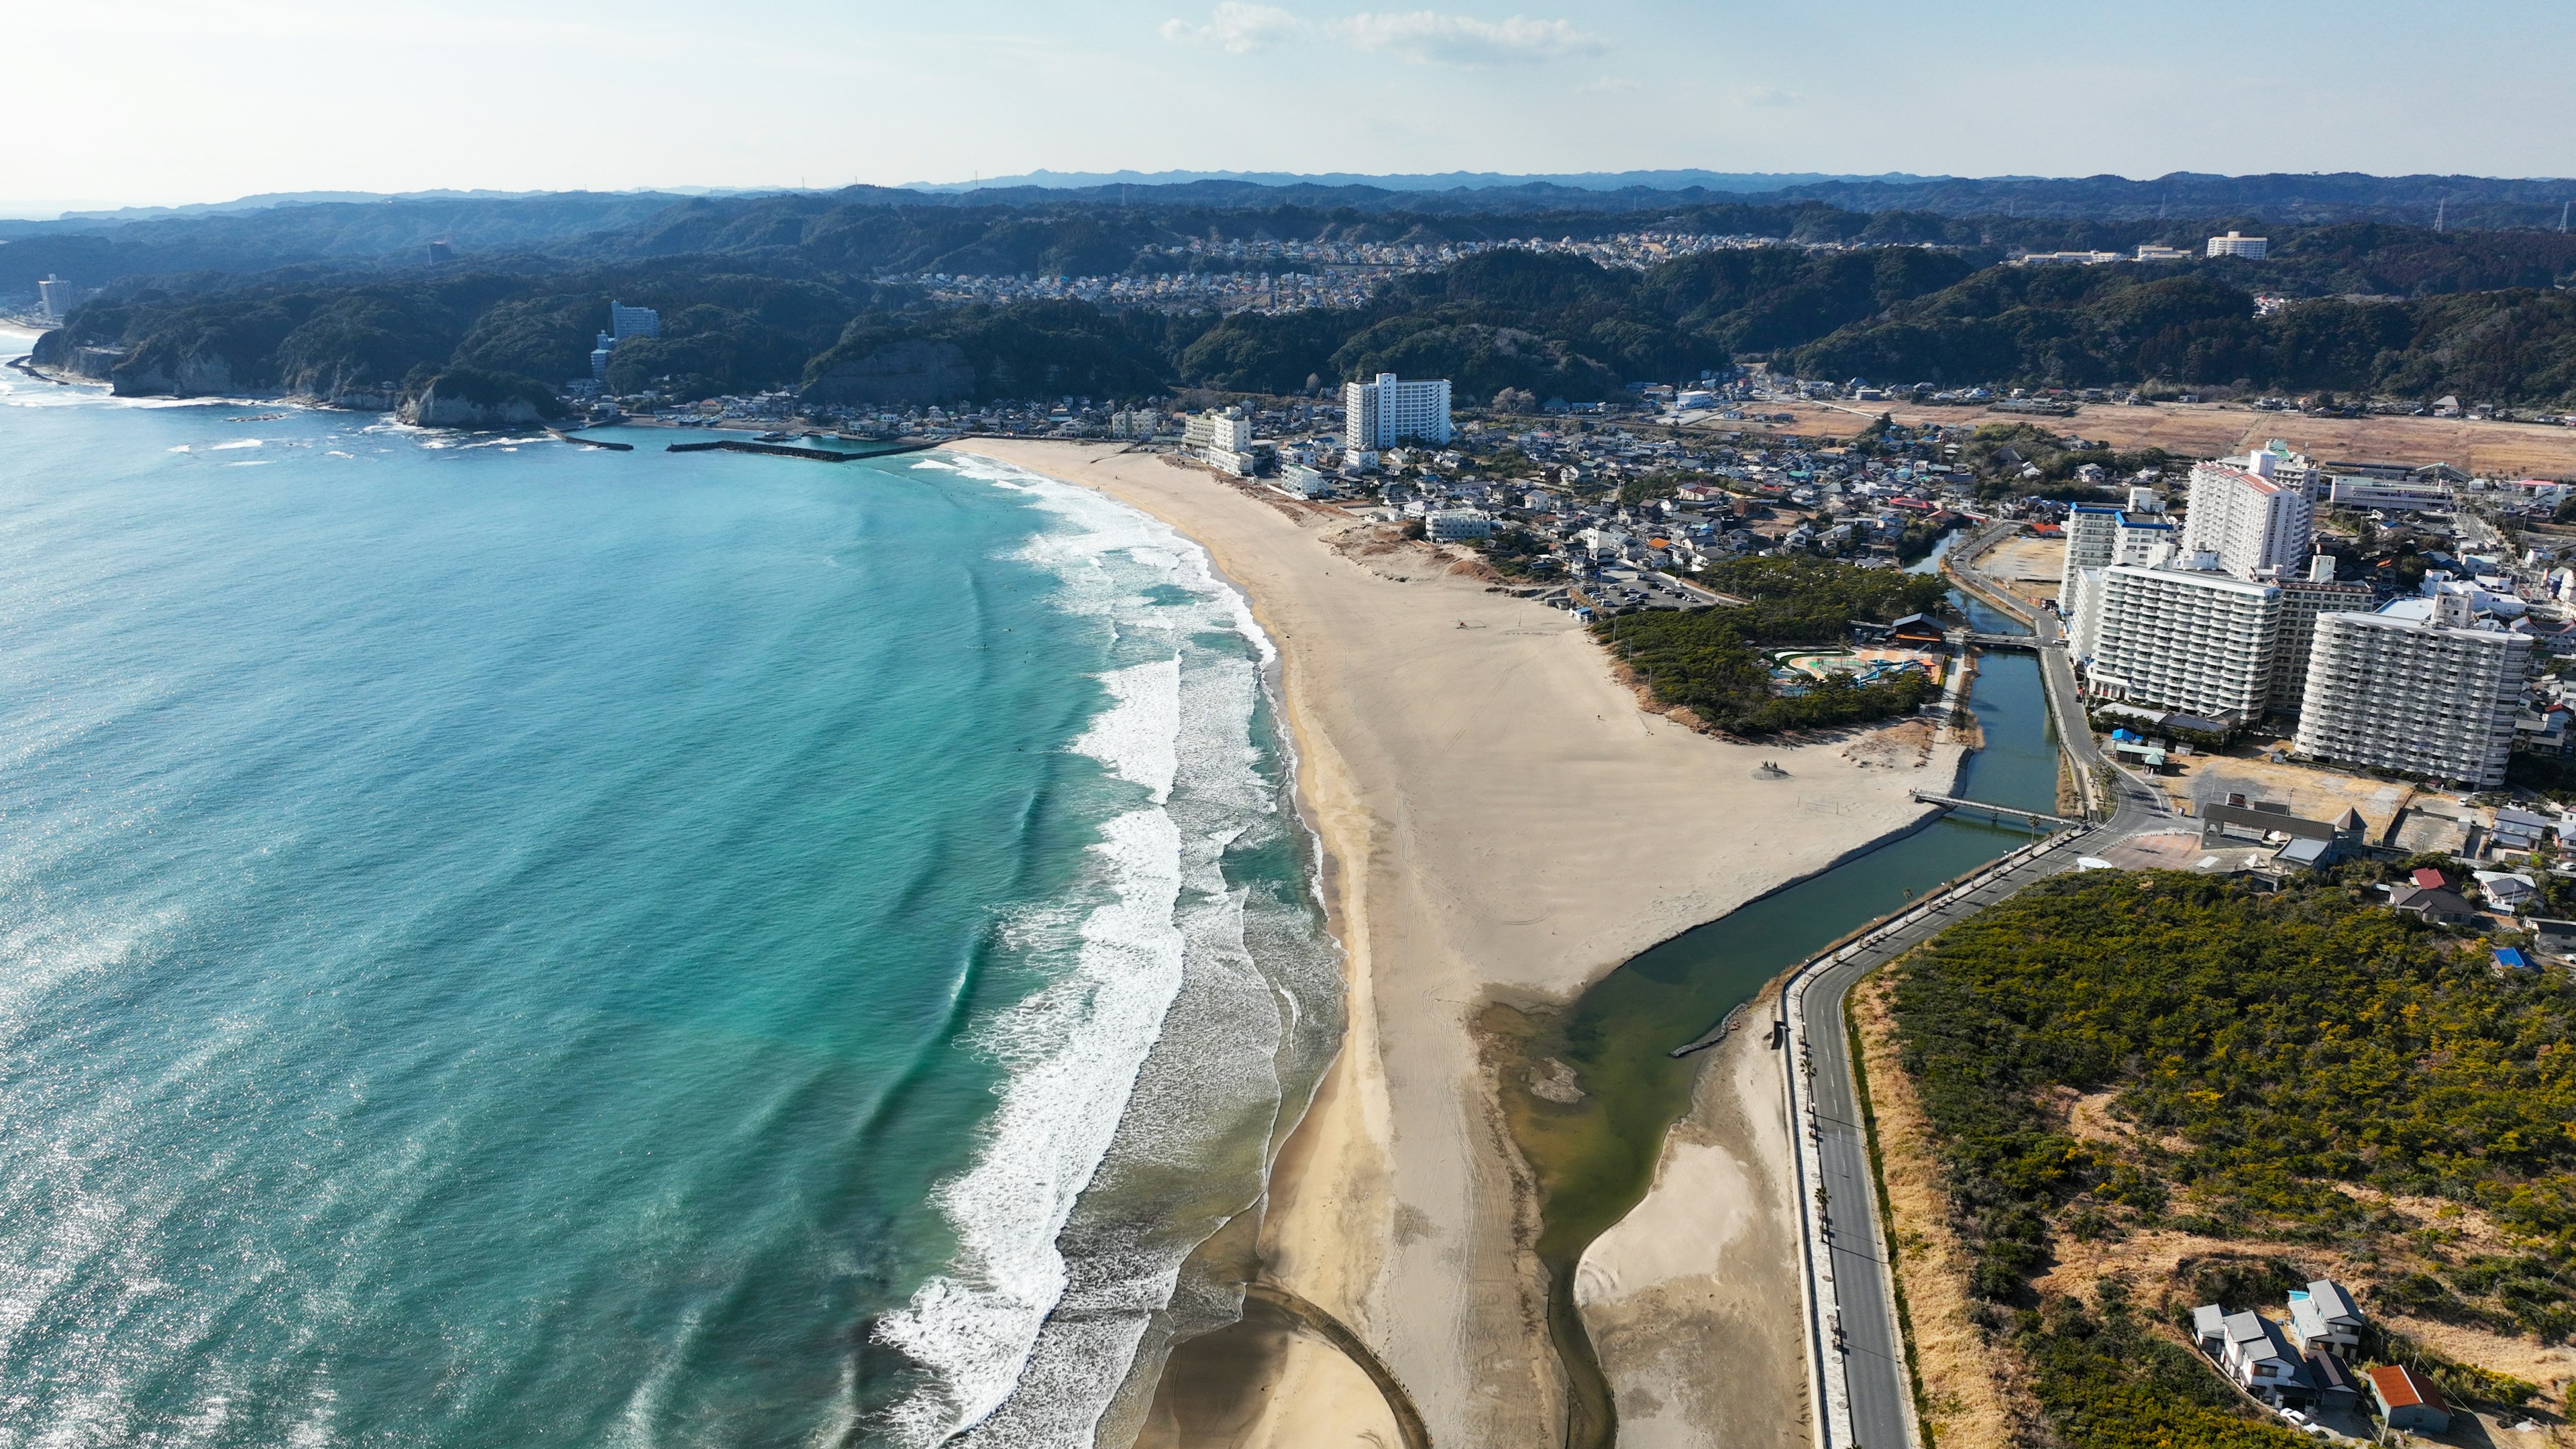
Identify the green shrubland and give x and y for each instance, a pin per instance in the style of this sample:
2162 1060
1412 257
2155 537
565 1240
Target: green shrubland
2297 1072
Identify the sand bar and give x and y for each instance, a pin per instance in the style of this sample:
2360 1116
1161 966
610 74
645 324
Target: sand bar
1502 823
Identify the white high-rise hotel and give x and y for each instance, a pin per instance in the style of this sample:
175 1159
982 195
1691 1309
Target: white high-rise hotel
1389 411
2239 620
2254 523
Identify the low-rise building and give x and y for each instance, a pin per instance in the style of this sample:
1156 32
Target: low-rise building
2323 1316
2389 495
1450 525
2408 1400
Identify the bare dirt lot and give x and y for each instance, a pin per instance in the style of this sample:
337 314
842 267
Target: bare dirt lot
2029 567
2488 450
2311 793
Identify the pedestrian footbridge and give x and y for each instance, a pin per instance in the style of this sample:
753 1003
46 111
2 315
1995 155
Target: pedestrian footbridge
2036 818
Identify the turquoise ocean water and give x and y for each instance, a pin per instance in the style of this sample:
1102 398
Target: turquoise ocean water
509 944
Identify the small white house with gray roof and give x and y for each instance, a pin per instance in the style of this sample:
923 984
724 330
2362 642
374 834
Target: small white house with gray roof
2255 1354
2325 1317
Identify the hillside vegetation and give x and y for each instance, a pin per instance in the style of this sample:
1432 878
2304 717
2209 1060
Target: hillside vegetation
2297 1073
761 293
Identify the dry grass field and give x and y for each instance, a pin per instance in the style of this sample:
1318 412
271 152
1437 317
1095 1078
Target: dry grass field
2487 450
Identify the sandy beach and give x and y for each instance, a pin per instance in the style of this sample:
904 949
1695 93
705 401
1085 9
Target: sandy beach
1502 824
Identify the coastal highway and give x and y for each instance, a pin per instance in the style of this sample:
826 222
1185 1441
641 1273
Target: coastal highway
1865 1394
1870 1359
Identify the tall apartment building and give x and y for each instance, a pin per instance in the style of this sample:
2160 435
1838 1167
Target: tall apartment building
2238 244
56 298
625 321
2302 601
2186 639
2137 537
2419 688
2251 520
1389 411
2092 532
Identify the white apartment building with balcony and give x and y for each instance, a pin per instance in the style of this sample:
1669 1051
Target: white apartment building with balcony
2302 601
2092 533
2251 520
2188 639
2418 687
1390 410
2238 244
2137 538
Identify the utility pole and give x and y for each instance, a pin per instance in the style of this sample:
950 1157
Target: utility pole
2439 211
2562 216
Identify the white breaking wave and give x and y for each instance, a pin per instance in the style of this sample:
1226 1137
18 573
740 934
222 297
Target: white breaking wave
1164 1037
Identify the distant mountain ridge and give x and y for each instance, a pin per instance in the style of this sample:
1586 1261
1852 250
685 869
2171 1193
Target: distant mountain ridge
1669 180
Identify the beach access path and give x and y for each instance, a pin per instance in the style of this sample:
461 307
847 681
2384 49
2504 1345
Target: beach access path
1502 823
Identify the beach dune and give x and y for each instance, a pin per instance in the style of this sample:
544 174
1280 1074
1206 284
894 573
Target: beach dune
1502 823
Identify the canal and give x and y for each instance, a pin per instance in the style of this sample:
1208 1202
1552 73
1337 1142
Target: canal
1595 1157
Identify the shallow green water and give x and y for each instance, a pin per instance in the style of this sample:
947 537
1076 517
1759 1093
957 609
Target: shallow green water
1595 1157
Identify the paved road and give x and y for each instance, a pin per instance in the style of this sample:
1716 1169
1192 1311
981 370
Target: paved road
1873 1364
1870 1356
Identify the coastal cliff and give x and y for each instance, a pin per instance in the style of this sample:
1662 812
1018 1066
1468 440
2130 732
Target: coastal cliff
470 397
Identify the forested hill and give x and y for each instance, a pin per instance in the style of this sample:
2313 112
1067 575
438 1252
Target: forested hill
1101 229
759 293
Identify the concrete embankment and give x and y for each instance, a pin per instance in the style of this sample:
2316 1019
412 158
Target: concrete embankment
791 450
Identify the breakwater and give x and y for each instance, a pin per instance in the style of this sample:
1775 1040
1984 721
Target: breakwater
792 450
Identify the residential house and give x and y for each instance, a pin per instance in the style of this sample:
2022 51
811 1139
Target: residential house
2439 906
2407 1400
2334 1380
2255 1354
2518 829
2507 891
2324 1317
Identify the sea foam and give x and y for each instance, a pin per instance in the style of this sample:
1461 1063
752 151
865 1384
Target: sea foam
1165 1054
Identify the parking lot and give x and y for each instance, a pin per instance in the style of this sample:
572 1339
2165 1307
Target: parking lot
1621 591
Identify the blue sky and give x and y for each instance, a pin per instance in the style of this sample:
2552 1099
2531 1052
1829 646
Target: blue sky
163 101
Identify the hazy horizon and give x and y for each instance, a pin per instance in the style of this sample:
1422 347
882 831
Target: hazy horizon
269 96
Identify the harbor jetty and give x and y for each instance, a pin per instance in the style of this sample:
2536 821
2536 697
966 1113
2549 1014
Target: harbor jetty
791 450
592 442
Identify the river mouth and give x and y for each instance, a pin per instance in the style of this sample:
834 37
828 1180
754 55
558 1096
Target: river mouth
1590 1089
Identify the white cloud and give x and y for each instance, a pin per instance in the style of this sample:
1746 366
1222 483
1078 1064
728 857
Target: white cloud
1238 27
1767 96
1431 38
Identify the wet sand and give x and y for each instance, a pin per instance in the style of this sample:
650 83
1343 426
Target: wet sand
1503 824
